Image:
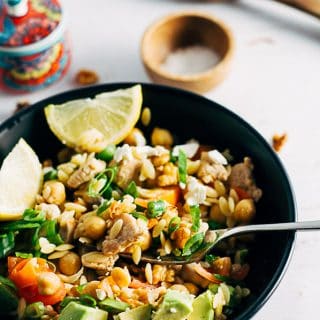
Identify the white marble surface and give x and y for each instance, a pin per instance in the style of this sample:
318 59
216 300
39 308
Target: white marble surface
274 84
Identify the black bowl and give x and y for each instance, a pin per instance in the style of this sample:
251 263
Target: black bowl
189 115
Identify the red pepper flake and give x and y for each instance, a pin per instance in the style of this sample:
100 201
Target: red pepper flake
86 77
278 141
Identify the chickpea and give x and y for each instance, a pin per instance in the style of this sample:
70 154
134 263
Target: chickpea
48 283
217 215
244 211
94 227
54 192
145 241
70 263
161 137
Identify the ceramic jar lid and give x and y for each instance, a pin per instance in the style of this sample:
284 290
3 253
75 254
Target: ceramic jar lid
26 23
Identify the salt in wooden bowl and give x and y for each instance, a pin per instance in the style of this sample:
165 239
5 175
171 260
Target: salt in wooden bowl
183 36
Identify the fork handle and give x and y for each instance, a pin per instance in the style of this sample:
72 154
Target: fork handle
309 6
301 226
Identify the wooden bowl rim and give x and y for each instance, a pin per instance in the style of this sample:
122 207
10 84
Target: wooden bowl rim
223 62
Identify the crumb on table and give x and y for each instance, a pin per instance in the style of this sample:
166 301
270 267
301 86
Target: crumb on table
278 141
21 105
86 77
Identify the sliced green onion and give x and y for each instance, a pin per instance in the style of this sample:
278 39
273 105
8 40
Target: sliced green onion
51 175
156 208
113 306
107 153
49 229
193 244
87 300
7 243
132 189
173 158
23 255
213 287
34 310
138 215
176 252
174 224
34 215
103 207
182 167
195 215
103 176
67 300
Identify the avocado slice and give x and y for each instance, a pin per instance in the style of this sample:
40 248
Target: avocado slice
176 305
139 313
76 311
202 307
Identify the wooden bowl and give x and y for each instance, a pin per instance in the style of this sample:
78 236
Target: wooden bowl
182 30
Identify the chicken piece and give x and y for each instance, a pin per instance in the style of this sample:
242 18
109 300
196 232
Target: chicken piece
128 171
131 231
241 177
209 172
189 274
86 172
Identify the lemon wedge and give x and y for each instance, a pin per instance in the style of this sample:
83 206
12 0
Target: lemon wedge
91 124
20 181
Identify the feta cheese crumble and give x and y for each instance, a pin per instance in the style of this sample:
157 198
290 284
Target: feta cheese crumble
196 193
216 157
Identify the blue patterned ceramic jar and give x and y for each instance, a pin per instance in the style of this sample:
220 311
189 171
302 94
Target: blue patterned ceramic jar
33 48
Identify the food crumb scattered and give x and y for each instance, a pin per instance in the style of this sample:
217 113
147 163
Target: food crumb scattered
21 105
278 141
86 77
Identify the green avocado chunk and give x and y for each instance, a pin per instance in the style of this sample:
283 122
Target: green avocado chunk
76 311
139 313
176 305
202 307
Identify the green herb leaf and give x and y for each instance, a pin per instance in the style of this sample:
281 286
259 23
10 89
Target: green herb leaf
106 154
182 167
113 306
7 243
132 189
174 224
156 208
193 244
138 215
195 215
18 225
213 225
49 230
51 175
210 258
7 282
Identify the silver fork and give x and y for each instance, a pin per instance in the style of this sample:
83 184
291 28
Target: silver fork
214 236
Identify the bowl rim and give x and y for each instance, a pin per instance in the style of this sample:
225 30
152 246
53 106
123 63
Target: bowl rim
288 252
221 64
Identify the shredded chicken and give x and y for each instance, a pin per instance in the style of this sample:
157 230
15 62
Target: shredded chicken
189 274
241 177
128 171
210 171
86 172
131 230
